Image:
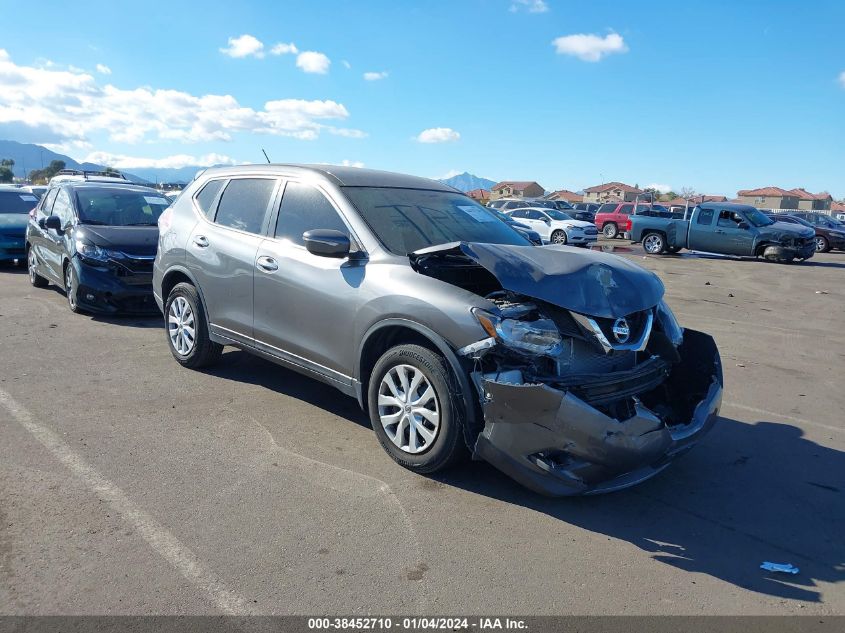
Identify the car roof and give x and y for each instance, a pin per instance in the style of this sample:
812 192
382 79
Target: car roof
340 175
728 206
105 184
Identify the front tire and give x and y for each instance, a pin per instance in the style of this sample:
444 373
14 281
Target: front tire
187 329
610 230
32 265
822 245
654 243
412 410
559 237
72 289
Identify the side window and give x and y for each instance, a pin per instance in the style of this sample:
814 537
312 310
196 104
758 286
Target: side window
626 209
205 198
705 217
49 199
305 208
244 203
728 219
62 208
518 214
536 215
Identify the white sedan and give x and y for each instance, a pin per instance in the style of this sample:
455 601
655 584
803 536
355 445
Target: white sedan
556 227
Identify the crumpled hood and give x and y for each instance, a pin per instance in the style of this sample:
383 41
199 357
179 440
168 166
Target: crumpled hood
587 282
787 228
581 224
132 240
14 222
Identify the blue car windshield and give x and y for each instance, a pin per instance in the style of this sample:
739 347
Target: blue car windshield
17 201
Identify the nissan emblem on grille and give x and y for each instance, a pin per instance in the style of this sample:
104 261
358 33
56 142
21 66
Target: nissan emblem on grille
621 331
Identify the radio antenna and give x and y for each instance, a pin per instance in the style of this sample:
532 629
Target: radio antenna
265 154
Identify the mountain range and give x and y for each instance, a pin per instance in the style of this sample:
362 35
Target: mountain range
468 182
28 156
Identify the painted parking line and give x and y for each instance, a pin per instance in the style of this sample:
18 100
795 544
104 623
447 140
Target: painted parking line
164 543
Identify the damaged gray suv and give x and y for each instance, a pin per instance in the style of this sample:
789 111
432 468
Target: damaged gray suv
561 367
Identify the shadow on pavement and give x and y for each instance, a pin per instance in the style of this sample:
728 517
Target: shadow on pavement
749 493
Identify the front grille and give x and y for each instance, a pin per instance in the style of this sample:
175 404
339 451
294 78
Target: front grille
591 232
602 389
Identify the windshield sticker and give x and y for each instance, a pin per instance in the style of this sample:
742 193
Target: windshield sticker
477 214
156 200
28 198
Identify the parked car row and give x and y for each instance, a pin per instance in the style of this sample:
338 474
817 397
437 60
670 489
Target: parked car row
563 368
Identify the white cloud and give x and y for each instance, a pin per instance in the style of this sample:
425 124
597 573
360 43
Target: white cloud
313 62
589 47
121 161
63 107
346 64
842 78
532 6
284 49
438 135
244 46
103 69
659 187
375 76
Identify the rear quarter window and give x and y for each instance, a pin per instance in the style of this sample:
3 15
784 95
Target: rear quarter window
205 198
705 217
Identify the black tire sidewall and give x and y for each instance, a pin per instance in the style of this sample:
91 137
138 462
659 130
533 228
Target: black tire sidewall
449 436
204 349
75 306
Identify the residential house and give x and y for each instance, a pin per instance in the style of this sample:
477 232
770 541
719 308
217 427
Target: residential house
611 192
564 194
516 189
480 195
768 198
813 201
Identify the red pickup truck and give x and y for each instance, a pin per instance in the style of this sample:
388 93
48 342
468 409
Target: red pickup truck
613 218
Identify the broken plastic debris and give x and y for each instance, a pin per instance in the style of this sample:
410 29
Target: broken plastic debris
784 568
821 292
740 365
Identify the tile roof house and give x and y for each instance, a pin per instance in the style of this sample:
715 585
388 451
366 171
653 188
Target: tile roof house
611 192
481 195
768 198
516 189
565 194
812 201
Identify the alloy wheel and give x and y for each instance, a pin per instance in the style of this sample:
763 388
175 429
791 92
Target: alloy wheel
180 326
559 237
653 244
32 265
70 287
821 244
408 409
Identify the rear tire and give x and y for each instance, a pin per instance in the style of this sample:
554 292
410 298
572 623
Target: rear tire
610 230
32 265
187 329
654 243
401 377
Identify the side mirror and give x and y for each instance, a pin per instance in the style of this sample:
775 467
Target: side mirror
327 243
53 222
743 225
547 220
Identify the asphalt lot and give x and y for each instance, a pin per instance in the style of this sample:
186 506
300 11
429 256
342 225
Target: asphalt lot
129 485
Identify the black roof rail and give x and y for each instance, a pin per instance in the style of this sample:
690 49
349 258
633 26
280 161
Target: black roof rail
86 174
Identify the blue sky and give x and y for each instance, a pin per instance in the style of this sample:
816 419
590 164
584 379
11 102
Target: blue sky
714 95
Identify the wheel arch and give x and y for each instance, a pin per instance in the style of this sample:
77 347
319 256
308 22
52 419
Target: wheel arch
397 331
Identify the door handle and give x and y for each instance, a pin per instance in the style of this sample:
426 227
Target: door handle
720 231
201 241
267 264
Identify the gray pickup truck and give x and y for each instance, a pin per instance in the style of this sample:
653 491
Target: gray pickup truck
725 228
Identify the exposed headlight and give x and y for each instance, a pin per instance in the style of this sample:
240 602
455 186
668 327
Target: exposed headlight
537 337
96 253
670 324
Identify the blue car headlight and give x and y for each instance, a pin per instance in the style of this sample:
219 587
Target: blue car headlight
669 323
87 250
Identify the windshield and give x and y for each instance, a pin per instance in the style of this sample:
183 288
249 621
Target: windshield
17 201
111 206
829 222
758 218
797 219
558 215
406 220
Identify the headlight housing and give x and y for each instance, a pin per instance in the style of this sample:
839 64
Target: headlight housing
669 323
87 250
535 337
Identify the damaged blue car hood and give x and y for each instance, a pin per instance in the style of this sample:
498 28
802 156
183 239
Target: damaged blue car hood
587 282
